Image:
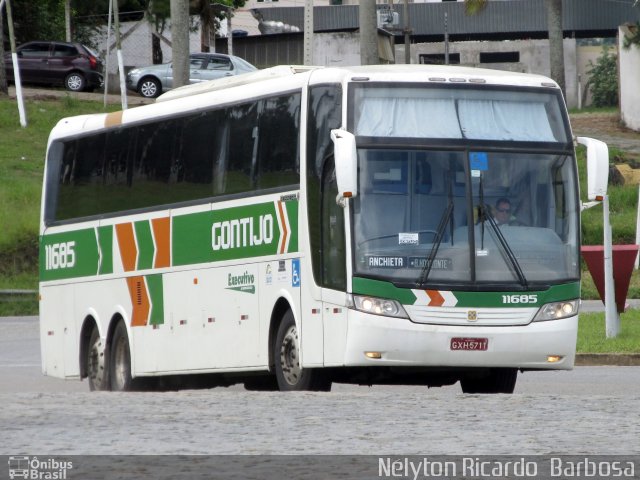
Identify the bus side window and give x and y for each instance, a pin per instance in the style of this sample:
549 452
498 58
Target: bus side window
334 273
242 121
278 160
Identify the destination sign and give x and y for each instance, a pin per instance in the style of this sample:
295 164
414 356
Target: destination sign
388 261
438 263
383 261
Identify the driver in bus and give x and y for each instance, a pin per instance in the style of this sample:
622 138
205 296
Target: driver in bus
502 213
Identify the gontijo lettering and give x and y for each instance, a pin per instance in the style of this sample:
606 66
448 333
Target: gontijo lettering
243 232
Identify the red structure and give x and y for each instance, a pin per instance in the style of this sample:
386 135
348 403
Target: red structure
624 257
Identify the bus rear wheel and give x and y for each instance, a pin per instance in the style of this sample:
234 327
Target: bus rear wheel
498 380
96 362
289 373
120 361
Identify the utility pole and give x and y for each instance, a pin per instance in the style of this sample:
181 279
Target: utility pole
67 19
308 32
106 68
368 33
16 69
180 41
123 87
446 39
407 34
229 32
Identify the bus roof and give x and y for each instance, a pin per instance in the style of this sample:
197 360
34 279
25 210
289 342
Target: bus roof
402 73
286 78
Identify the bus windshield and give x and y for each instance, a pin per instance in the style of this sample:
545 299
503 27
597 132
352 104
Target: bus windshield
462 217
465 186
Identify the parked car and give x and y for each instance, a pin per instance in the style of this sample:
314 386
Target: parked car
73 65
153 80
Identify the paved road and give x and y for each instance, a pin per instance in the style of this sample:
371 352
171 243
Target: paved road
586 411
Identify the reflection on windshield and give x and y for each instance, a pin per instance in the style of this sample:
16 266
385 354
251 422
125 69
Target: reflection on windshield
425 217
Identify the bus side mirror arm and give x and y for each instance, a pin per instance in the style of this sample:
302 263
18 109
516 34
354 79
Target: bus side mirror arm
346 161
597 169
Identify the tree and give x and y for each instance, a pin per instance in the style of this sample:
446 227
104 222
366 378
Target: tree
369 33
180 41
556 45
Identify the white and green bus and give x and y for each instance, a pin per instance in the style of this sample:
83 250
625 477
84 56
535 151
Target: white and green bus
295 227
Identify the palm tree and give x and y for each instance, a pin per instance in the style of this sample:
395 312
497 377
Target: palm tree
554 21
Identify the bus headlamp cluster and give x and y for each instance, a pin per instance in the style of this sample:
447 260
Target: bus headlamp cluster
557 310
377 306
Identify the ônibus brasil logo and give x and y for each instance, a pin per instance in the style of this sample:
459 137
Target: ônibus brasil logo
34 468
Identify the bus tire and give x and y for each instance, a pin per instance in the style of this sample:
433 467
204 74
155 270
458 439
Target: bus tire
289 373
120 378
96 362
499 380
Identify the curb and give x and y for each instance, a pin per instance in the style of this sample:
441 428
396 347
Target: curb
607 359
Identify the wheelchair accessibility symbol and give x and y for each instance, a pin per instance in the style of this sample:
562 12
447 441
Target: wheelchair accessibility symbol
295 272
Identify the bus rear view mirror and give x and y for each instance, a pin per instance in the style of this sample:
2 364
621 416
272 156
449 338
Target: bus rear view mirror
346 158
597 167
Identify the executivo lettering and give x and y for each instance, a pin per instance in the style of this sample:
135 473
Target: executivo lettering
242 283
242 233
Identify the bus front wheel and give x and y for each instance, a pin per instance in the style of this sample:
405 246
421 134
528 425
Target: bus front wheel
289 372
498 380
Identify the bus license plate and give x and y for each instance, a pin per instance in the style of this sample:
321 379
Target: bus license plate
469 343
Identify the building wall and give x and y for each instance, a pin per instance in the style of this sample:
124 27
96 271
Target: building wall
533 58
629 71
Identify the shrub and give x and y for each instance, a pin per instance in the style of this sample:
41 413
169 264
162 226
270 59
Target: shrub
604 80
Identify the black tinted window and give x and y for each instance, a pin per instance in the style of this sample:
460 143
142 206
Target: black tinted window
64 51
239 149
35 50
325 114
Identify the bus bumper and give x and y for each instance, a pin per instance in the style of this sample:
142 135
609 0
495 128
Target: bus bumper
400 342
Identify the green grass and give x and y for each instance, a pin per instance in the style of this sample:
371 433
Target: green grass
592 334
594 110
22 152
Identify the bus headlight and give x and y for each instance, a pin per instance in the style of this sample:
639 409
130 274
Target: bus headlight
557 310
377 306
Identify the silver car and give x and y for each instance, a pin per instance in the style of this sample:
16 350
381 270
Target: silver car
153 80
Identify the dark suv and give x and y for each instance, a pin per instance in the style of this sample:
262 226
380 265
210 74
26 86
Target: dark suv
73 65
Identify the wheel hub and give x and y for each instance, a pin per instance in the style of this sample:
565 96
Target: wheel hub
289 356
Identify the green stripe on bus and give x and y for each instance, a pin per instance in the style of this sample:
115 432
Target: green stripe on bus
535 298
229 234
69 255
144 239
105 241
292 213
378 288
556 293
156 294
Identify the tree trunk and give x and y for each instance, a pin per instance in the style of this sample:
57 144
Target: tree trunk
180 41
368 33
156 50
556 46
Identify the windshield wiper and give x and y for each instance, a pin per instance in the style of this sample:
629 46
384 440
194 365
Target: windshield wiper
487 217
444 220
